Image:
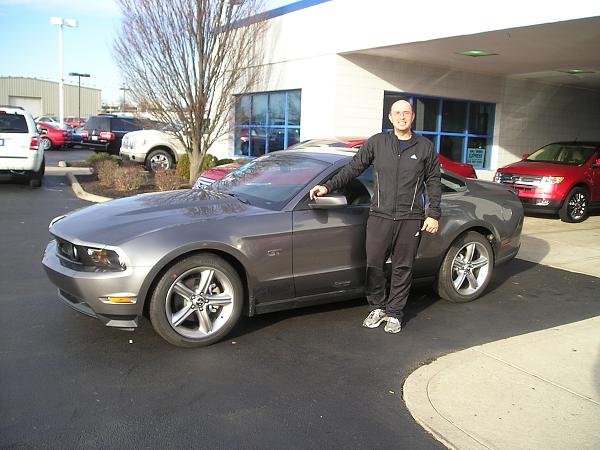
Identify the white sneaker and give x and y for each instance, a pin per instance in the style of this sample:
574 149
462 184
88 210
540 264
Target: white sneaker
393 325
375 318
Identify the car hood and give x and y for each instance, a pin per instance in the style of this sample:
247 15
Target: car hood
538 168
117 221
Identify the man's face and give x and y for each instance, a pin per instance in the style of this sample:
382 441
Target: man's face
401 116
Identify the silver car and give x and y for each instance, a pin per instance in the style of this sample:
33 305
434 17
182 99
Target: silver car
194 260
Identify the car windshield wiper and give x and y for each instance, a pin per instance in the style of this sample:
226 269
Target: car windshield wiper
236 196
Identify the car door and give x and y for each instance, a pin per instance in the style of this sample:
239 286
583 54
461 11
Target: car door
595 175
329 244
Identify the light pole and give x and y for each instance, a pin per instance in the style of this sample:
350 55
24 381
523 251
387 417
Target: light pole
61 98
79 75
124 89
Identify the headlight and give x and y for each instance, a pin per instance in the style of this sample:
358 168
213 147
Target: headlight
105 260
551 180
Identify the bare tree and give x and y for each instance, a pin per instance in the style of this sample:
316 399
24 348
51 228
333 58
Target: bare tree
185 59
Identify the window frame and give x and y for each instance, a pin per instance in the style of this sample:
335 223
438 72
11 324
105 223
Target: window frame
267 127
439 133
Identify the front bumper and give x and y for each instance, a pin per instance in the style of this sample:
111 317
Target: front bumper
130 154
86 291
540 205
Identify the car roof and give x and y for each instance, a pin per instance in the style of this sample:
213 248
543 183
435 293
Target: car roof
592 143
326 154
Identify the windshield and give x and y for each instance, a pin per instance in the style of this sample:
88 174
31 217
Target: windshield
270 181
572 154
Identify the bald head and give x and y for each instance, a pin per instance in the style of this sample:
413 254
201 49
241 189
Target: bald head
402 117
401 105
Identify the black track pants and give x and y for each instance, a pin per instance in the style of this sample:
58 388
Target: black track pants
400 240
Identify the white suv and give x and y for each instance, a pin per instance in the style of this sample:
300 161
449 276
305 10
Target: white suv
154 148
20 152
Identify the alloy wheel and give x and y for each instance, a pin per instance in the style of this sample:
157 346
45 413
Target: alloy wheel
577 206
199 302
470 268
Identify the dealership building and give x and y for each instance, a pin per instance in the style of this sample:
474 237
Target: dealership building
488 81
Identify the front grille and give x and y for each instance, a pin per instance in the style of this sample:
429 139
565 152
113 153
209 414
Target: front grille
527 180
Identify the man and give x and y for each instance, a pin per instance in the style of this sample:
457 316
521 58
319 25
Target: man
404 164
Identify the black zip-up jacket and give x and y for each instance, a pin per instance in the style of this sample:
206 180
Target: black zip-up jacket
400 176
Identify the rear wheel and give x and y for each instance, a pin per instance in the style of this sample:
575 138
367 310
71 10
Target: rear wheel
45 143
575 206
467 268
197 301
35 179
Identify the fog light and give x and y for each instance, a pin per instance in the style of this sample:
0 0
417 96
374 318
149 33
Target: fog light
542 202
121 299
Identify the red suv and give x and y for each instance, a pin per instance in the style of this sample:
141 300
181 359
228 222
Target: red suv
562 178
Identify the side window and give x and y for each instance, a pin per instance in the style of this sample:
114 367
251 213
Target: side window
451 184
360 190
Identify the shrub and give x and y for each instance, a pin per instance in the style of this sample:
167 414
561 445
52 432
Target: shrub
129 178
224 161
207 162
92 160
183 167
105 170
168 180
242 160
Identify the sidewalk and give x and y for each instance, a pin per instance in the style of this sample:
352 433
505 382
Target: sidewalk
535 391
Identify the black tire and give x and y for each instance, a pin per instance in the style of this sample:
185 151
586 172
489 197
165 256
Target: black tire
466 269
575 208
159 159
35 179
197 301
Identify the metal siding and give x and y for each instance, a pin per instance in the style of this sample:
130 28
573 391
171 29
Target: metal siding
48 92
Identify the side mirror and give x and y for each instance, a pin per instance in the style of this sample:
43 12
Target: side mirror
525 156
328 202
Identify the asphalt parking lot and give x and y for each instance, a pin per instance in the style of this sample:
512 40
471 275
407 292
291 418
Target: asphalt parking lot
311 378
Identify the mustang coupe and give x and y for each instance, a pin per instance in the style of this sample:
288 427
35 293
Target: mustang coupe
253 242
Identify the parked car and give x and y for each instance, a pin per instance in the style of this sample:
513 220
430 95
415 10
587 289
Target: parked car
563 178
47 119
213 174
254 242
76 137
156 149
74 121
462 169
52 136
104 132
20 152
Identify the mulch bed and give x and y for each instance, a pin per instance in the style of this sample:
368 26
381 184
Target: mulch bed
90 184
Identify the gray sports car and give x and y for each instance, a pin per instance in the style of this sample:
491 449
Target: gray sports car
194 260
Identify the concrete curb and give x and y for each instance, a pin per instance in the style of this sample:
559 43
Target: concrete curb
507 395
79 192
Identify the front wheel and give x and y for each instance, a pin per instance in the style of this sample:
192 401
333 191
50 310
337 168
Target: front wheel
159 159
575 207
197 301
467 268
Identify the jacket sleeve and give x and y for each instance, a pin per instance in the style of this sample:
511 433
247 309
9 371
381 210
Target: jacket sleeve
433 183
358 164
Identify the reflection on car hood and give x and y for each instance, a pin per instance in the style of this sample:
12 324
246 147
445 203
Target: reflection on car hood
119 220
539 168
